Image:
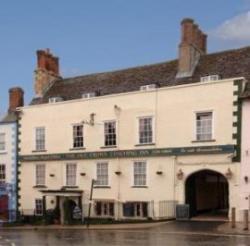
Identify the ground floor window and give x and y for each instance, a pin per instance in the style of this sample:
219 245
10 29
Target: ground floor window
39 207
103 208
135 209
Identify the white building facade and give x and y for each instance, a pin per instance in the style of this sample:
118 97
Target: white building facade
140 147
134 143
8 158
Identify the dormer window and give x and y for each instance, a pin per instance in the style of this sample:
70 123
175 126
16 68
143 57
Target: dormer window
210 78
88 95
55 99
148 87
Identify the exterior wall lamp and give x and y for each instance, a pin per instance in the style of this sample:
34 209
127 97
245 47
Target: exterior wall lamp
180 174
52 175
118 173
246 179
83 174
159 172
229 174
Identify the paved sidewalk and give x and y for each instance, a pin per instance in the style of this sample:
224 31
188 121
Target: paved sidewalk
238 230
124 226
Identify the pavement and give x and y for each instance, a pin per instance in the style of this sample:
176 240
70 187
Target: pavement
123 226
238 230
171 233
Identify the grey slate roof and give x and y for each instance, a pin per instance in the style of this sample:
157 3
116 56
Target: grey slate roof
9 118
227 64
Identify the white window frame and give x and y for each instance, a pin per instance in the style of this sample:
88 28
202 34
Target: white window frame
99 182
40 175
138 129
104 131
55 99
73 137
2 141
146 173
88 95
70 175
212 124
39 203
2 173
39 146
108 204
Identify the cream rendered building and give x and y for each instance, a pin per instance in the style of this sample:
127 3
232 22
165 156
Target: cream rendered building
150 137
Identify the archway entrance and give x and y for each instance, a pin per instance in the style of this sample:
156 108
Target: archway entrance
206 193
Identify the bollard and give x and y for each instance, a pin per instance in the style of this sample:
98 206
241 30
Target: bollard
233 218
245 219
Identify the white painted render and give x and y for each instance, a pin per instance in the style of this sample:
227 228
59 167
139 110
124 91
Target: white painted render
173 110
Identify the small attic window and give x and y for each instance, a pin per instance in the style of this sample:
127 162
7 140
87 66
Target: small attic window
148 87
89 95
55 99
210 78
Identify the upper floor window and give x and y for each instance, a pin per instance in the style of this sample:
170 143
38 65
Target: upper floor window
140 175
89 95
102 174
145 130
71 174
78 136
110 133
204 126
40 138
2 173
210 78
2 141
55 99
148 87
40 174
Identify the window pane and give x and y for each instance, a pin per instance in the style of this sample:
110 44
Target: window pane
40 138
204 126
71 174
40 174
110 133
2 141
140 173
145 130
78 136
102 174
39 207
2 174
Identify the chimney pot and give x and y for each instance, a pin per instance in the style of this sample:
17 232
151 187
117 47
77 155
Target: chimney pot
192 46
15 98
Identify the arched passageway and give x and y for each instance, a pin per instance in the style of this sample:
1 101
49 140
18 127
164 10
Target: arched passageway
206 192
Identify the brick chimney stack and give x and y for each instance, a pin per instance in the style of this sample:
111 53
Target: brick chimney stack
15 98
193 45
46 72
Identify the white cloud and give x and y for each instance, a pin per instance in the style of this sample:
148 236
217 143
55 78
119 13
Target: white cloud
235 29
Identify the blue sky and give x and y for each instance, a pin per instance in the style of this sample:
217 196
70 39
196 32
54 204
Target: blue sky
95 35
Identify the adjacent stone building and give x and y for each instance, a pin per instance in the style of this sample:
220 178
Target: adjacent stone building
8 157
144 138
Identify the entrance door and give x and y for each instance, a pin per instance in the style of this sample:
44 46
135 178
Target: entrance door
4 200
207 193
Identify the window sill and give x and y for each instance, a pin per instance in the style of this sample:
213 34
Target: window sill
108 147
69 187
203 141
78 148
3 152
37 151
39 186
102 187
145 144
138 186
